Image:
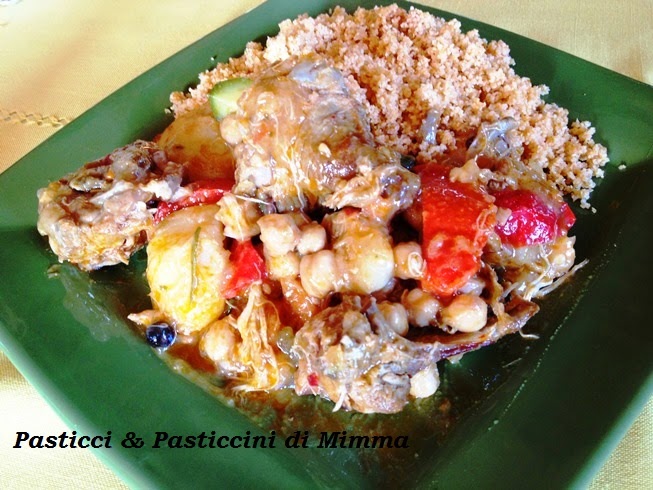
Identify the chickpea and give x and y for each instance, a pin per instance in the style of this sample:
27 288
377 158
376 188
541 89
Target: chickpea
395 316
474 286
279 234
318 273
369 267
363 252
367 262
425 383
283 266
466 313
421 307
409 263
312 239
219 341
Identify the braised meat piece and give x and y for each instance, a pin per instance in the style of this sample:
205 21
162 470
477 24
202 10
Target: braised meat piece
99 214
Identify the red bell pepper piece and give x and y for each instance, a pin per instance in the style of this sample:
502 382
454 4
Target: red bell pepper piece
201 192
533 219
456 220
248 268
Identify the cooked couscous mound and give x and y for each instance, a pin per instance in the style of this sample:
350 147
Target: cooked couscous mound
408 67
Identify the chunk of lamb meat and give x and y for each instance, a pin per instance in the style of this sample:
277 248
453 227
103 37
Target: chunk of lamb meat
350 355
301 140
356 360
98 215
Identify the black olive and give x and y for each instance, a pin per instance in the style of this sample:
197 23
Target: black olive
408 162
160 335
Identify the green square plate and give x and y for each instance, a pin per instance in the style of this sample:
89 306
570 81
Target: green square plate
536 413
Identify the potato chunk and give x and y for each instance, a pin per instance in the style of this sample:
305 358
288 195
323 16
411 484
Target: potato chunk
186 267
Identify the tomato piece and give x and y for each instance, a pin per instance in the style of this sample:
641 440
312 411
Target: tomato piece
248 268
201 192
532 219
566 219
456 220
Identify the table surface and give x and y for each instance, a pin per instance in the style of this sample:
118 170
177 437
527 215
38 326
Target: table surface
59 58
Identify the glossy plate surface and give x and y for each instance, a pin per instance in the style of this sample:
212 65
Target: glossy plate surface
546 412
